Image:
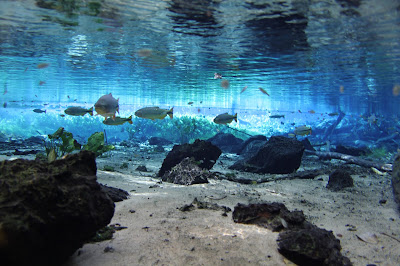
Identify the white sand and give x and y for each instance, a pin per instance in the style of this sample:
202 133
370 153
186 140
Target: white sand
160 234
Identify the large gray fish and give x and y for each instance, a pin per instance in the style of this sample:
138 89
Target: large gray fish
78 111
154 113
225 118
107 106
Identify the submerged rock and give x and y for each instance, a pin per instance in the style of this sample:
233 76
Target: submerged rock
187 172
396 179
299 240
313 246
159 141
279 155
48 210
354 151
226 142
205 153
116 194
339 179
274 216
251 146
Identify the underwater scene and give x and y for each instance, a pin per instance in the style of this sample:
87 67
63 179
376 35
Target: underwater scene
203 132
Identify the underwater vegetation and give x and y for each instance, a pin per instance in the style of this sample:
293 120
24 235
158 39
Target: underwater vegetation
62 142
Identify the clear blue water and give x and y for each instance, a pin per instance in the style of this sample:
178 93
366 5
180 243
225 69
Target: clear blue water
323 56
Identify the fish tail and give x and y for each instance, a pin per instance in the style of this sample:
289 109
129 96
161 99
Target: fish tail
171 113
235 117
130 120
91 111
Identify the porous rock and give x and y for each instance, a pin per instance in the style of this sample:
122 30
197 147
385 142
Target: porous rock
279 155
313 246
47 211
274 216
187 172
203 152
396 179
339 179
251 146
226 142
159 141
116 194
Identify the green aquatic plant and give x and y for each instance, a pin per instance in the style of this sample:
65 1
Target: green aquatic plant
108 168
379 153
62 142
96 144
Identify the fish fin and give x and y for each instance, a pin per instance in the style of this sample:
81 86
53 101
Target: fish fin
91 111
235 117
130 120
171 113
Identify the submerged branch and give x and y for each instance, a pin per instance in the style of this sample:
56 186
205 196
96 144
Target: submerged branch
351 159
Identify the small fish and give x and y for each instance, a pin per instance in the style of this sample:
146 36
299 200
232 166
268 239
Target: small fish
225 83
5 88
107 106
26 69
245 87
311 112
277 116
372 119
190 103
396 90
302 131
263 91
78 111
291 135
41 83
217 75
52 156
117 121
4 104
42 65
154 113
341 89
62 115
225 118
39 111
333 114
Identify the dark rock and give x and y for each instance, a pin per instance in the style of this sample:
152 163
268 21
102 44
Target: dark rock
27 152
159 148
116 194
204 205
141 168
339 179
354 151
128 144
202 151
252 145
159 141
187 172
227 142
396 179
38 140
307 144
47 211
274 216
313 246
280 155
